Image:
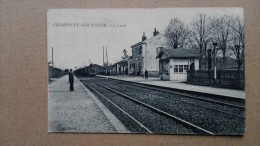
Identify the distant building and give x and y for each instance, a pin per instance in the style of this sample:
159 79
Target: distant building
93 68
144 54
120 67
174 63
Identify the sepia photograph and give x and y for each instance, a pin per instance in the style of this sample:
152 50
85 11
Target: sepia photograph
146 70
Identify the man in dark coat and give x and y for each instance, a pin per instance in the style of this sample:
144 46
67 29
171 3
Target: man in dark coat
71 80
146 74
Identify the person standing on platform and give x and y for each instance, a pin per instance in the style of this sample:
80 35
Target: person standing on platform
71 80
146 74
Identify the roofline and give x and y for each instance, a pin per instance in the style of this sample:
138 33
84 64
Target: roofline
125 60
160 34
168 56
144 41
137 44
162 50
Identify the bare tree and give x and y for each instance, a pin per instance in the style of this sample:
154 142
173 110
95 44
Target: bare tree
238 39
200 34
222 31
177 33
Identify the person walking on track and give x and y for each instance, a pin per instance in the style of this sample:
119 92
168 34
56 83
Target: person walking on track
71 80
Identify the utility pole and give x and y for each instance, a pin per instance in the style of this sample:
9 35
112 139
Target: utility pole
106 55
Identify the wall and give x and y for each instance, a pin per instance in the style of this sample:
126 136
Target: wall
137 57
181 61
151 63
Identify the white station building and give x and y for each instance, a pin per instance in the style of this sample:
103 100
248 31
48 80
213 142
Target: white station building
174 63
144 54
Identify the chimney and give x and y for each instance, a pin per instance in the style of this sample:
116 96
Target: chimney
143 37
155 32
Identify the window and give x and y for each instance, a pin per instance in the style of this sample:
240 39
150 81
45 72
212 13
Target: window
186 67
139 66
176 68
180 68
140 50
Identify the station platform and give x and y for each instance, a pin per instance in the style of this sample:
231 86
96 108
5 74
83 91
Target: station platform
79 110
182 86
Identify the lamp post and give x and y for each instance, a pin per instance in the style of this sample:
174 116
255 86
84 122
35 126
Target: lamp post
215 65
144 59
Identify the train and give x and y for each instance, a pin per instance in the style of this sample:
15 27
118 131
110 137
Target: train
85 72
89 71
93 69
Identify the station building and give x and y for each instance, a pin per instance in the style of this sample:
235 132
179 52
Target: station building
106 70
174 63
120 67
144 55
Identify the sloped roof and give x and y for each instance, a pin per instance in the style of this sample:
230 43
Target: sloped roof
154 37
137 44
146 40
122 61
179 53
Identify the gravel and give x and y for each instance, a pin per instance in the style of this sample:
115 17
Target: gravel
216 122
154 121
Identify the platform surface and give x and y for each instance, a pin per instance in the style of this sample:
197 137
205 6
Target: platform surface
79 110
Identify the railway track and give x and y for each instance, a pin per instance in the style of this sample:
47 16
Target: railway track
152 116
223 101
217 122
192 99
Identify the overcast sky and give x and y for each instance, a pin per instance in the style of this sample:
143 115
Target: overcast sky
74 46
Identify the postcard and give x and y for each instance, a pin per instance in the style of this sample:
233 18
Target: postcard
151 71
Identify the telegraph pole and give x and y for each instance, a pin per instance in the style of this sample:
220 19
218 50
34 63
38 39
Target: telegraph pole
106 55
